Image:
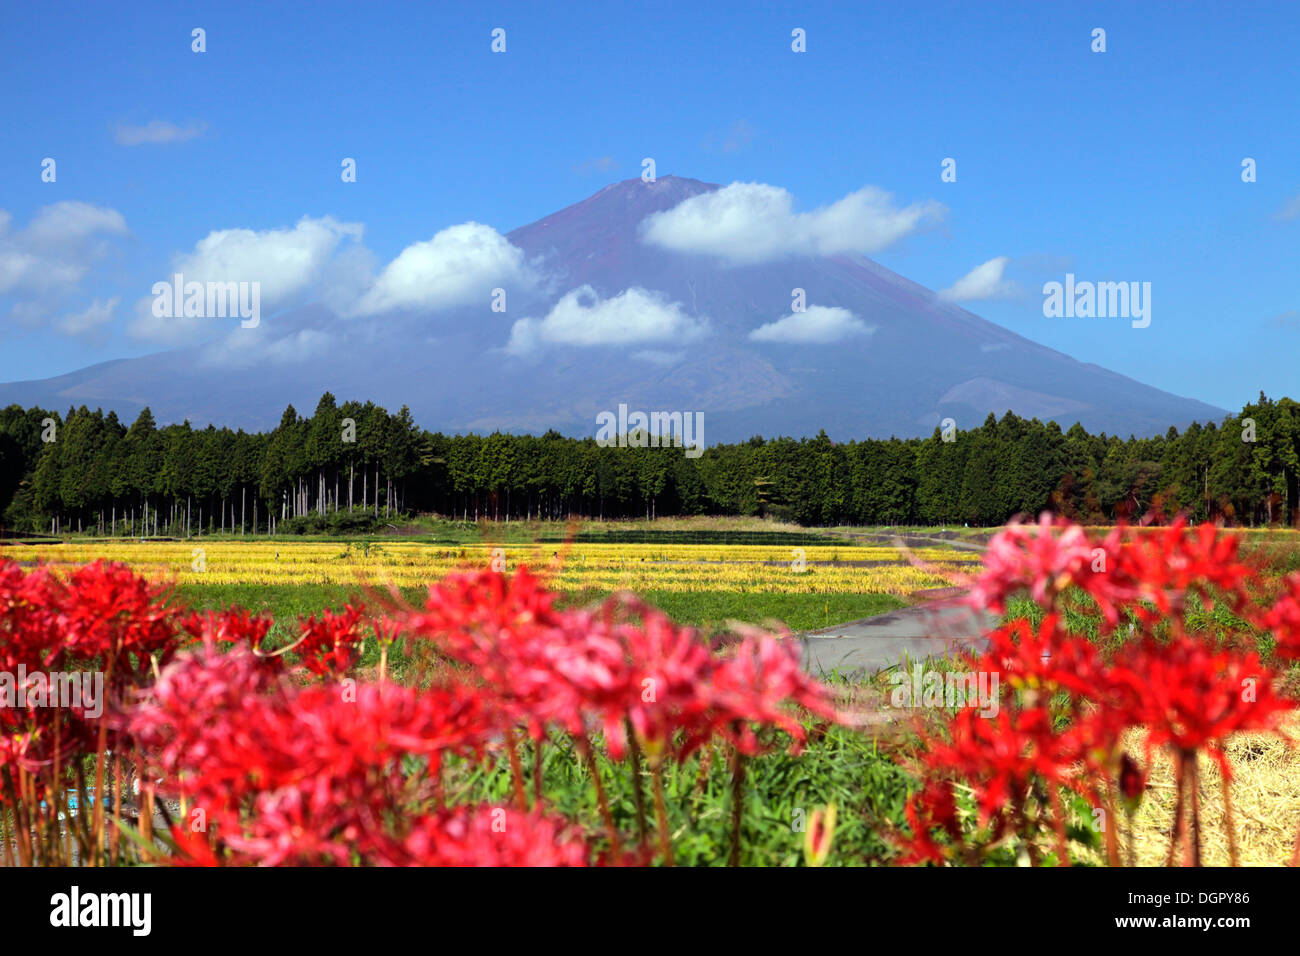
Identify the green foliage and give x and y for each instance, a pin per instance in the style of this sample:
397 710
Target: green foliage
358 458
340 522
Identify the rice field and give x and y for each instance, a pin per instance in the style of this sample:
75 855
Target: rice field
841 568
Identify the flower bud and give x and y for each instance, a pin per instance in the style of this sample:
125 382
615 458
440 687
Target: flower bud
818 837
1132 782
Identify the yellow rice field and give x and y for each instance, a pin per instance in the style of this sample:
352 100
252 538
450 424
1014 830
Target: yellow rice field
830 569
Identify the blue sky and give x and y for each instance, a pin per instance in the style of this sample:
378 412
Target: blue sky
1123 165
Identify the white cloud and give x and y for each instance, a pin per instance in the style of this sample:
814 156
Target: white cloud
582 318
818 325
69 222
747 223
243 348
458 266
157 132
43 265
92 317
284 261
289 264
58 247
982 283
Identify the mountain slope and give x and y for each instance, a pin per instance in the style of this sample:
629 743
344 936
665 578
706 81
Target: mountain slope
925 360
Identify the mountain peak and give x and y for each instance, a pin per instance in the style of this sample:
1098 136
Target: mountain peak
625 203
873 354
603 228
672 189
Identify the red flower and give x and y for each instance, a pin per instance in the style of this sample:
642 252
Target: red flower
764 683
332 643
1000 756
933 808
1193 697
103 621
288 775
1283 619
490 836
1045 560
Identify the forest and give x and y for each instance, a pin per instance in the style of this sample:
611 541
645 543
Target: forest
356 467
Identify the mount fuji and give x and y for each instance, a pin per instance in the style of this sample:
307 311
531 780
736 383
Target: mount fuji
614 318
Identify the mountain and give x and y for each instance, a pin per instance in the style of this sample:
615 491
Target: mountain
923 361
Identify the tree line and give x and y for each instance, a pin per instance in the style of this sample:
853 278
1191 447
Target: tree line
356 466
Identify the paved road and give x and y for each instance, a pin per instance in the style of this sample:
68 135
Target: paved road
866 646
910 540
924 630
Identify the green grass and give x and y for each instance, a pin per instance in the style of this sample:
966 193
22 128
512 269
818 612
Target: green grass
843 767
799 612
705 609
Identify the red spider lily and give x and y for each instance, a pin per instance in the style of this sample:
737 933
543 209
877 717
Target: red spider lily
1192 696
103 619
332 643
1044 664
1044 660
932 808
1072 705
1119 572
764 683
103 610
192 848
527 655
668 682
490 836
1283 619
198 717
1045 560
291 775
110 611
232 626
1173 562
1001 756
625 665
28 616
